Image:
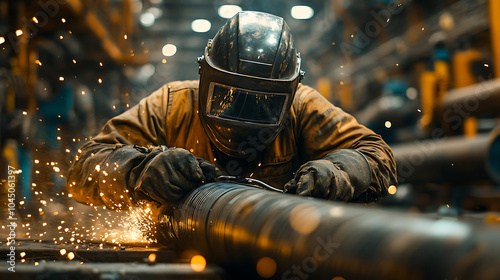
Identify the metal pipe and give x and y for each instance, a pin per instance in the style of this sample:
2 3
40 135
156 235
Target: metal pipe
459 160
494 156
478 100
396 109
290 237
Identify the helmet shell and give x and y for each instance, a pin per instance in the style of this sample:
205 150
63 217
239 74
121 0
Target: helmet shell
255 44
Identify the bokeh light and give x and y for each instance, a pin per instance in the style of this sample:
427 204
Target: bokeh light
266 267
201 25
198 263
302 12
169 50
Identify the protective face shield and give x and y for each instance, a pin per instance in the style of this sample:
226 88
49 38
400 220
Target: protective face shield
248 78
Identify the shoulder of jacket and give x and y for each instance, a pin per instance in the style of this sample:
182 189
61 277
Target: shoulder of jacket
181 85
303 91
303 94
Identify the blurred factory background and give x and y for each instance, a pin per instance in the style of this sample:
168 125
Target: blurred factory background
424 74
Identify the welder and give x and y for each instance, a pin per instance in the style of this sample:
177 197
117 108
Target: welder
247 116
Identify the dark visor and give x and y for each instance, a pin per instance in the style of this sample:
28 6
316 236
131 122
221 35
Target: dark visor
245 105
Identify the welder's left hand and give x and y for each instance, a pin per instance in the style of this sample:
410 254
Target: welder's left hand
322 179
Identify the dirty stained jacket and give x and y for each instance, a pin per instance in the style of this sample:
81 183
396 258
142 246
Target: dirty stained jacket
106 168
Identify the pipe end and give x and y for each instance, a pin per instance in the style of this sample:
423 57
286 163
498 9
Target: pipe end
494 156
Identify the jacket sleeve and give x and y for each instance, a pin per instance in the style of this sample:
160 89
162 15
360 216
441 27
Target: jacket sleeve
327 132
107 167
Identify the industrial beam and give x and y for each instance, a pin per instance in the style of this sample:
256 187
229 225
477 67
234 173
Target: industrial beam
291 237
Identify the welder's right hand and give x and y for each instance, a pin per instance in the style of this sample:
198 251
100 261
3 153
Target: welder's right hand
173 173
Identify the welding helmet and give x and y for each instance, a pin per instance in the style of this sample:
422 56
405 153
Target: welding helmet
248 77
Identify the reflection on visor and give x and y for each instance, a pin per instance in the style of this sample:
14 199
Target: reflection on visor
246 105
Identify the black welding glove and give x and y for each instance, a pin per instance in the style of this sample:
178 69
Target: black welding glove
340 175
210 171
171 174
